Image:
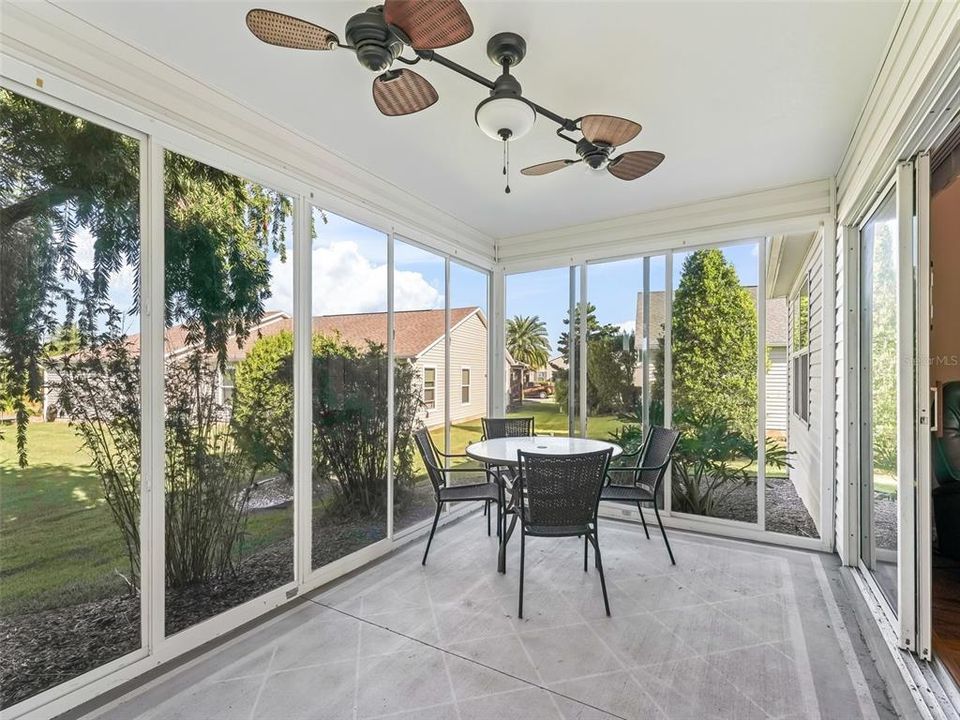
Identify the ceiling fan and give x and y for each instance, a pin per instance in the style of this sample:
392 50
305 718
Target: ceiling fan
378 37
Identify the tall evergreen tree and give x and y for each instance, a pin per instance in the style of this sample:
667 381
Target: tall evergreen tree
714 343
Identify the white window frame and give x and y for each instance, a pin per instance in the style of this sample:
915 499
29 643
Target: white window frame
800 386
466 387
423 393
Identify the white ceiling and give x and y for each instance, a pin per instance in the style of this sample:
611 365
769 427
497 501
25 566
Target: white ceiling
739 96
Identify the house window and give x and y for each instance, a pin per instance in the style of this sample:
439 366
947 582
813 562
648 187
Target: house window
465 386
227 385
800 340
430 387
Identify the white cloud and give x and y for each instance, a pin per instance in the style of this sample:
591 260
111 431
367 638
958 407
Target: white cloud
344 281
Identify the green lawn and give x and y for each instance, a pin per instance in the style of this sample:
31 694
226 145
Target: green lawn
59 544
58 540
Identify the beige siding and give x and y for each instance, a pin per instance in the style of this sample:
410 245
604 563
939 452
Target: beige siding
468 349
804 437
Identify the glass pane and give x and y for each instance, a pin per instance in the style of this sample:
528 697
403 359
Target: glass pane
714 344
469 352
229 451
879 395
69 397
792 492
626 327
350 374
420 382
537 317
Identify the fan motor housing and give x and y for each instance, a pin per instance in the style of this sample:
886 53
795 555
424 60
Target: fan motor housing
377 45
594 155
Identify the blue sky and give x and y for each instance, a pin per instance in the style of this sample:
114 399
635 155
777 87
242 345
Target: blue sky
612 287
349 263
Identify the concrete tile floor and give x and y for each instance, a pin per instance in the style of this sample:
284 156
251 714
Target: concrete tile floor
735 630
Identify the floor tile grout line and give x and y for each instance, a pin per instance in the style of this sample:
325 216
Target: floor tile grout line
616 657
443 656
857 679
356 666
263 683
539 686
798 640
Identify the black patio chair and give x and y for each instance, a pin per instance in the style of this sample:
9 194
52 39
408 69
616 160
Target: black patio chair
558 496
639 484
506 427
494 428
486 492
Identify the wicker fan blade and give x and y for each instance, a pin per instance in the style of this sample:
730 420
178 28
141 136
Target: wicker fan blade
401 92
430 24
608 129
287 31
632 165
547 167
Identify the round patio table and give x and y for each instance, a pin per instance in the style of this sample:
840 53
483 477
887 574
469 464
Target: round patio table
503 452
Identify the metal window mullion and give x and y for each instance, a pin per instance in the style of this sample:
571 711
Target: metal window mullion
668 368
498 383
571 354
302 391
645 346
152 439
391 342
906 406
762 383
447 345
583 351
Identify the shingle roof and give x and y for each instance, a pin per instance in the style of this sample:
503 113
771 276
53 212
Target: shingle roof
415 330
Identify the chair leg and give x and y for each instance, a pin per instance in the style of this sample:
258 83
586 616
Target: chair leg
585 543
486 511
436 518
603 582
522 548
499 520
643 520
664 533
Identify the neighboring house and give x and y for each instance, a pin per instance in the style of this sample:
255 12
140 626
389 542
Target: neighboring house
419 340
776 329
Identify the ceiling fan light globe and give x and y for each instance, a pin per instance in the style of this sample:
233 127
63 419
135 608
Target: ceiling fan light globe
511 114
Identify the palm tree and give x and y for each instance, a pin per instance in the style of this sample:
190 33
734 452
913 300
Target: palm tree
527 341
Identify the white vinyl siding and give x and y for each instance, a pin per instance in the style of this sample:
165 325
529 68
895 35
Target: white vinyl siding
468 350
777 395
803 435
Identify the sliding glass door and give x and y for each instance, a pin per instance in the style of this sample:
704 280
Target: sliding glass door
894 414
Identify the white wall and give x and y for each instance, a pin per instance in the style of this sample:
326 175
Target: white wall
803 437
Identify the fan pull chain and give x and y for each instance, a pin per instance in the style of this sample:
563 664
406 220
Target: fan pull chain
506 163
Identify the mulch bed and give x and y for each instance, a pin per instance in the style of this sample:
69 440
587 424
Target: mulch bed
43 649
786 512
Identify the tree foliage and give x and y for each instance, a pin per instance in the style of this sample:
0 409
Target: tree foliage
63 175
349 418
714 344
611 362
527 340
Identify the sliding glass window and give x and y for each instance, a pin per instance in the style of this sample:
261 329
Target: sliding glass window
228 389
539 348
714 381
70 483
350 372
420 374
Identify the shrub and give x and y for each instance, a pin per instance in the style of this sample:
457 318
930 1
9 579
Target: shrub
207 479
349 418
712 461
